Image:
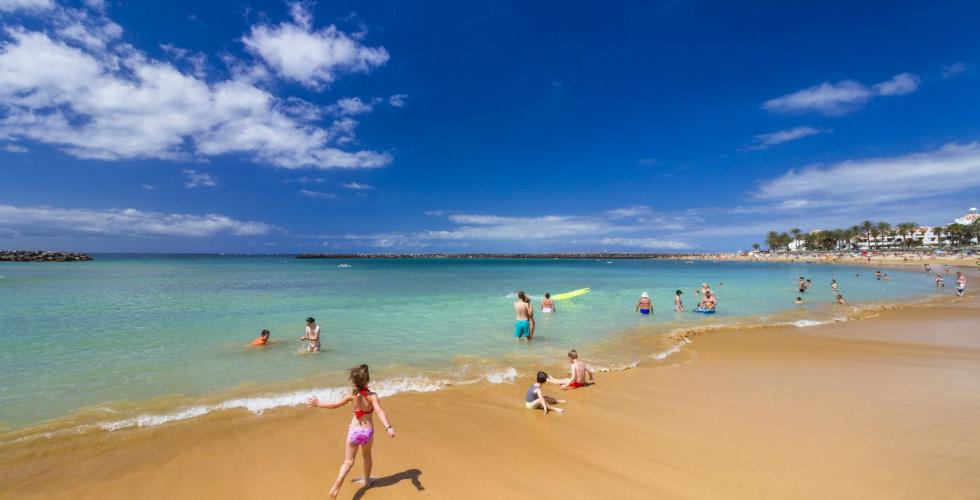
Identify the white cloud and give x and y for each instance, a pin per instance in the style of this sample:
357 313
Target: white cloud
349 106
46 221
842 97
951 168
14 148
901 84
357 186
766 141
30 5
955 69
77 87
644 243
312 57
148 187
554 230
398 100
197 179
647 162
317 194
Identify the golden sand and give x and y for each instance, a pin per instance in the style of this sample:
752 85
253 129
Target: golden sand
887 407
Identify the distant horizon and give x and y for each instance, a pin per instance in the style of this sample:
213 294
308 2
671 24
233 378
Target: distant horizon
275 126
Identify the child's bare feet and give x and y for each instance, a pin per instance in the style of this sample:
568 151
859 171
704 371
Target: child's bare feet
562 401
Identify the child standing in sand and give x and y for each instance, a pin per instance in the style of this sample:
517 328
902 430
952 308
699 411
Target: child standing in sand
360 433
535 398
960 284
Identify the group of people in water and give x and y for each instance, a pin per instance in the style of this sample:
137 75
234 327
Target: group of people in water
709 300
805 284
941 282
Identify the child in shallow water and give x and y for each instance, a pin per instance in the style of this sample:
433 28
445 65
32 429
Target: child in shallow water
360 433
536 399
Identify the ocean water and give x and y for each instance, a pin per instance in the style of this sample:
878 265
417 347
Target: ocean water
129 341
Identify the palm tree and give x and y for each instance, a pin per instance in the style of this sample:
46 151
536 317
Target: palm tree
756 246
905 229
939 231
867 226
884 229
796 236
772 240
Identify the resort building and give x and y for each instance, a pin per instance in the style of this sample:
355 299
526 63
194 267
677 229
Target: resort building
924 236
968 219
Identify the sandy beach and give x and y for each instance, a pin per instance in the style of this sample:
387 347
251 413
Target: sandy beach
879 408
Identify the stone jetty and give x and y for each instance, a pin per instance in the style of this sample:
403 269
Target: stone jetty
41 256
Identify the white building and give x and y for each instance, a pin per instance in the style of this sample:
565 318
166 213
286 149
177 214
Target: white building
925 236
968 219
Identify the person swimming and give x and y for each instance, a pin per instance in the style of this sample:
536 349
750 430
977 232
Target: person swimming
547 305
644 306
833 285
799 300
262 339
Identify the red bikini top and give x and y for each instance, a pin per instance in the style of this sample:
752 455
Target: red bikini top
358 413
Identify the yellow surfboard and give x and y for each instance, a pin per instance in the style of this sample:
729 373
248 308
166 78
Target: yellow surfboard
572 294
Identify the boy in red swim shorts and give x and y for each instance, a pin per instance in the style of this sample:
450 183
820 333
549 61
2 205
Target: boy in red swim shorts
581 374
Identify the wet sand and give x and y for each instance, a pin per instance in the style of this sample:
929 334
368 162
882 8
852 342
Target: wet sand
886 407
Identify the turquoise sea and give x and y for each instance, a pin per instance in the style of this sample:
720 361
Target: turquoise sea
137 340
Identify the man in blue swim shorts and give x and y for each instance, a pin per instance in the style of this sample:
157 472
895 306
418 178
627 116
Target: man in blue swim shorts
522 313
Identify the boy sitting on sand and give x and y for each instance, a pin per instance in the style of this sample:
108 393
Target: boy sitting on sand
581 375
535 398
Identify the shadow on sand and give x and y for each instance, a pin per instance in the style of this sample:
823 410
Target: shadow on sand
411 474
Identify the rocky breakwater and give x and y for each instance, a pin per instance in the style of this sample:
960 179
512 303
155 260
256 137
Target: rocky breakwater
41 256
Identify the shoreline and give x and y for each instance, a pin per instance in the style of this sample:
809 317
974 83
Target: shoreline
649 343
26 466
885 405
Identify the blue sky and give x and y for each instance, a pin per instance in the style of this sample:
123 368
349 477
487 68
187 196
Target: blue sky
507 126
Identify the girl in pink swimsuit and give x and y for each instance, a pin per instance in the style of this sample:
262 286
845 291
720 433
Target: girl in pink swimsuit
360 434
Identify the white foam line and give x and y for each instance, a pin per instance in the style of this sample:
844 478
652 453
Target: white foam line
260 404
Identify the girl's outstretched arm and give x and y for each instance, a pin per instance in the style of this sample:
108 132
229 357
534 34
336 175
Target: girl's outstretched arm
376 401
314 402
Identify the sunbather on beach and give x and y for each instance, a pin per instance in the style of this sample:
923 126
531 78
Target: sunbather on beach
312 335
535 399
360 433
580 376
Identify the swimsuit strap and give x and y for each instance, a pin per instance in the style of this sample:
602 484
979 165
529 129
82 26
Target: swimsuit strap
358 412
